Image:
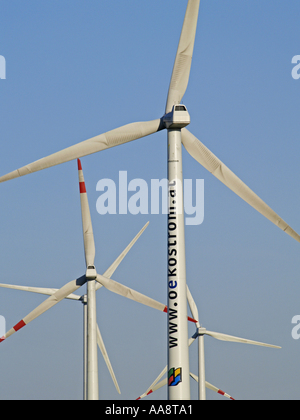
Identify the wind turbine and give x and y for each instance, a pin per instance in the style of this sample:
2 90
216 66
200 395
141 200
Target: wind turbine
200 333
90 277
83 299
175 119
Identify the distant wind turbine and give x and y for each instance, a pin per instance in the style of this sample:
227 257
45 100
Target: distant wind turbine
83 299
219 336
90 278
175 119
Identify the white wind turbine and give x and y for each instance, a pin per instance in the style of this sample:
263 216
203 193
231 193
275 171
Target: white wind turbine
202 383
175 119
200 333
83 299
90 277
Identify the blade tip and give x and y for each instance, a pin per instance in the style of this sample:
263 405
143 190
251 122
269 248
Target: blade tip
192 320
79 164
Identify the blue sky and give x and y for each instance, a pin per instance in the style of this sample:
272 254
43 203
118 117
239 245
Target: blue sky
76 69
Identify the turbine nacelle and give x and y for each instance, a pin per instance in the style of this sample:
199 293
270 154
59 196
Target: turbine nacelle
91 272
177 118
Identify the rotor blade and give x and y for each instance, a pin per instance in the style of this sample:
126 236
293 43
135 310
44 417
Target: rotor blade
219 391
88 236
106 359
212 387
125 291
152 387
104 141
40 290
183 60
129 293
109 272
207 159
192 306
226 337
155 388
47 304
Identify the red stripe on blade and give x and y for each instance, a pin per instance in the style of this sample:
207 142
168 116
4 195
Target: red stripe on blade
79 165
221 392
2 339
192 319
20 325
189 318
82 187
